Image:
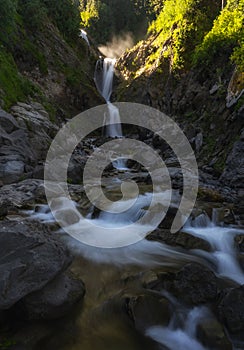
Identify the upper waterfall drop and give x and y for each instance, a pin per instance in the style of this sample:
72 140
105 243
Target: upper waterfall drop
104 74
103 77
84 36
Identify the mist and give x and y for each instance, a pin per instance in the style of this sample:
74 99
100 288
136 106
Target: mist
117 46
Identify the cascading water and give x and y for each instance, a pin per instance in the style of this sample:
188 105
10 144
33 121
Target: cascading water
180 338
221 239
104 74
103 77
84 36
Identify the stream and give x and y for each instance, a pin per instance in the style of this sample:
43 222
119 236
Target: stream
114 276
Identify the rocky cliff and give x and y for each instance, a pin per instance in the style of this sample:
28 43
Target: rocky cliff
207 102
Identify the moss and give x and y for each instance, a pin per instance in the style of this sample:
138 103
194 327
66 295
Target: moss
7 343
209 195
38 56
220 164
240 103
225 37
14 87
50 109
210 143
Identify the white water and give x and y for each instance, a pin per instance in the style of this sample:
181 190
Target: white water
221 239
84 36
104 74
180 338
144 253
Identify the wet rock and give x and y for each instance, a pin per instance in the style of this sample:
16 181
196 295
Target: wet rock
147 310
166 223
239 242
149 279
194 284
211 334
38 172
210 194
67 216
75 169
181 239
55 300
29 258
11 170
231 311
159 143
25 137
21 195
233 174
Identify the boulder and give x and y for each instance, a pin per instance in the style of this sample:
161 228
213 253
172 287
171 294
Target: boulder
25 136
30 257
148 310
55 300
233 174
211 334
24 194
11 170
239 242
195 284
231 311
181 239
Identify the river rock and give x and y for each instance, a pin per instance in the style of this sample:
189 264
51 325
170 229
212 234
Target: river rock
11 170
25 137
211 334
30 257
21 195
239 242
54 300
148 310
233 174
231 311
194 284
181 239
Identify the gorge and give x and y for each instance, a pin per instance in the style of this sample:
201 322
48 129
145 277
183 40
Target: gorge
168 290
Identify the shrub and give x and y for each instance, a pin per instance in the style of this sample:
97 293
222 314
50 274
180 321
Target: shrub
226 36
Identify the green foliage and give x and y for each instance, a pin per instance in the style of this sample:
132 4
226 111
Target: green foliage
14 87
180 26
89 12
36 55
6 343
33 13
154 7
226 36
66 16
105 19
8 10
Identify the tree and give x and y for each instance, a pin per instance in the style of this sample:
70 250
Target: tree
66 15
8 10
33 13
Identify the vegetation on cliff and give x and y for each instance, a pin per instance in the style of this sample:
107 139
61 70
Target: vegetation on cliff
41 54
225 37
105 19
189 34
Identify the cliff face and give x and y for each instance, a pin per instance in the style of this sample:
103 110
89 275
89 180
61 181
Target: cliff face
191 68
42 66
207 102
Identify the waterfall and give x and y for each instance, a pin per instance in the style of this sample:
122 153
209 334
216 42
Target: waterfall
104 74
221 239
180 338
84 36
